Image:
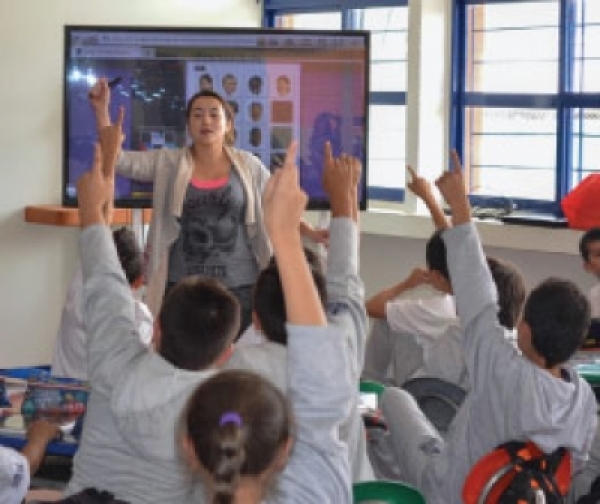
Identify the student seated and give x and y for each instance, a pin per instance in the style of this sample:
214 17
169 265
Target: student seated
531 395
589 248
340 290
240 444
69 353
445 358
411 315
129 441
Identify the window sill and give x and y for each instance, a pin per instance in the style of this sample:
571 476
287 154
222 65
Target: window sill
526 236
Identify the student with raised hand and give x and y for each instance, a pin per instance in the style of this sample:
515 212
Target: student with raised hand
528 395
405 327
242 441
341 292
69 358
207 215
129 442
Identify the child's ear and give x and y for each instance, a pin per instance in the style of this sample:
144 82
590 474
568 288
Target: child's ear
256 321
225 356
156 336
283 454
137 283
189 453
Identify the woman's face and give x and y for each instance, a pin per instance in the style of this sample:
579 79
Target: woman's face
208 123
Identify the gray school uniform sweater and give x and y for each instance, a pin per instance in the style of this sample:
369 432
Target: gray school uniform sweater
130 442
346 311
510 398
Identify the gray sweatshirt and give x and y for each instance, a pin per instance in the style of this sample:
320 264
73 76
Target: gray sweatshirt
510 397
130 442
346 312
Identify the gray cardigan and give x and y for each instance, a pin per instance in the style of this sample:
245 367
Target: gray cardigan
171 170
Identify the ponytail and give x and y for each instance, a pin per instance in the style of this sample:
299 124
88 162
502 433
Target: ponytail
230 457
237 423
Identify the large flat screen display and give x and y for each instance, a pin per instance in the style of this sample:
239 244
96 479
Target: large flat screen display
281 84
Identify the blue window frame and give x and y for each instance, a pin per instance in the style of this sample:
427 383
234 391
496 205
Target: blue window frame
387 20
526 98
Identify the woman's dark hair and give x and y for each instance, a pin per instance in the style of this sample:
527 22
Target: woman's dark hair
229 115
237 423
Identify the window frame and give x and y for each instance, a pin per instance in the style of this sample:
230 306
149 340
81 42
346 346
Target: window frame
274 8
564 102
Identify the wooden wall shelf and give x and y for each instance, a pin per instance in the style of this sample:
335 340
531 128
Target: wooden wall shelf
57 215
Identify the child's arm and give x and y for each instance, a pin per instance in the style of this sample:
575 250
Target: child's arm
284 203
474 289
39 434
422 189
109 310
376 305
320 387
345 289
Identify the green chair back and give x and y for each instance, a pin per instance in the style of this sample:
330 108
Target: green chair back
589 372
371 387
388 492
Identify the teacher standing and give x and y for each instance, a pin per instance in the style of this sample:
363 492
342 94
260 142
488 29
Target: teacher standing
207 215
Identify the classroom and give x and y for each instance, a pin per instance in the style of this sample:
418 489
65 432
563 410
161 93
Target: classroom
39 260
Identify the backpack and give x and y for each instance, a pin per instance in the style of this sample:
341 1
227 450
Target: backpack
519 472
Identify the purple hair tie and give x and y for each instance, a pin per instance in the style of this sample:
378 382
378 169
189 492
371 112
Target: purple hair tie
230 417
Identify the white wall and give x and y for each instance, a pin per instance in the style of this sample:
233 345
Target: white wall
386 260
37 261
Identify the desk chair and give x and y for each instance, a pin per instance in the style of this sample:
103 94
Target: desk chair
388 492
438 399
371 387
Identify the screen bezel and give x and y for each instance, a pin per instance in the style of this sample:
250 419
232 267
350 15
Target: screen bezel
313 203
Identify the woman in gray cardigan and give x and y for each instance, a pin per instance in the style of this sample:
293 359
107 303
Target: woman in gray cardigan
207 213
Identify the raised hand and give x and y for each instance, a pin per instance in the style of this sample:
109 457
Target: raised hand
423 189
284 201
99 94
111 138
420 186
95 192
340 181
452 186
99 97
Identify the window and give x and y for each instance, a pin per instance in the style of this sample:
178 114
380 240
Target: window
387 20
526 107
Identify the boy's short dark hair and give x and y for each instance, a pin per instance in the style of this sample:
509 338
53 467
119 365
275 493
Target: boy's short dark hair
558 314
511 291
129 254
435 254
199 319
591 235
268 301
